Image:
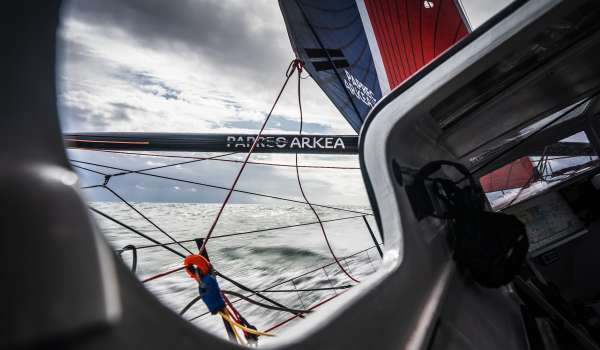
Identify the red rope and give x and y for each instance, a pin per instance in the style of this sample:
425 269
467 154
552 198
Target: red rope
295 64
304 194
296 316
163 274
233 310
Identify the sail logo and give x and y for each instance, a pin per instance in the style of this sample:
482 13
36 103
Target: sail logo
326 59
286 142
359 90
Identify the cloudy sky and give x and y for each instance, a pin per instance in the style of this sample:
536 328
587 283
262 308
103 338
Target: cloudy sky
195 66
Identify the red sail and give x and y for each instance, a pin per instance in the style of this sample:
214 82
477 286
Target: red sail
357 51
513 175
411 33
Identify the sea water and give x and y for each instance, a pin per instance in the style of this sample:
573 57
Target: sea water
258 260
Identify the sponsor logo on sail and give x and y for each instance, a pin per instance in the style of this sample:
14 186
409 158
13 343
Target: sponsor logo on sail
359 90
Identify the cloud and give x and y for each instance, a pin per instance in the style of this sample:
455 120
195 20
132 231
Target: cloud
195 66
279 123
191 66
235 34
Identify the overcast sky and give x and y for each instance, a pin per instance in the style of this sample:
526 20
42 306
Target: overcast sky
195 66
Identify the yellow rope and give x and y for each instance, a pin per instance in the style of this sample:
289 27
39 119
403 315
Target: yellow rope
235 333
246 329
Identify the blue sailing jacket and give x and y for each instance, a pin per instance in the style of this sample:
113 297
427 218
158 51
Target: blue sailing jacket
211 293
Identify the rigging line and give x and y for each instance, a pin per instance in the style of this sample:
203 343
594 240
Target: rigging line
174 164
552 122
232 310
254 292
307 289
519 192
225 188
542 164
319 268
304 194
244 328
231 331
255 231
223 160
528 184
295 64
564 171
263 305
196 299
248 299
189 305
311 309
162 274
530 180
89 187
134 230
268 289
146 218
551 158
87 169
